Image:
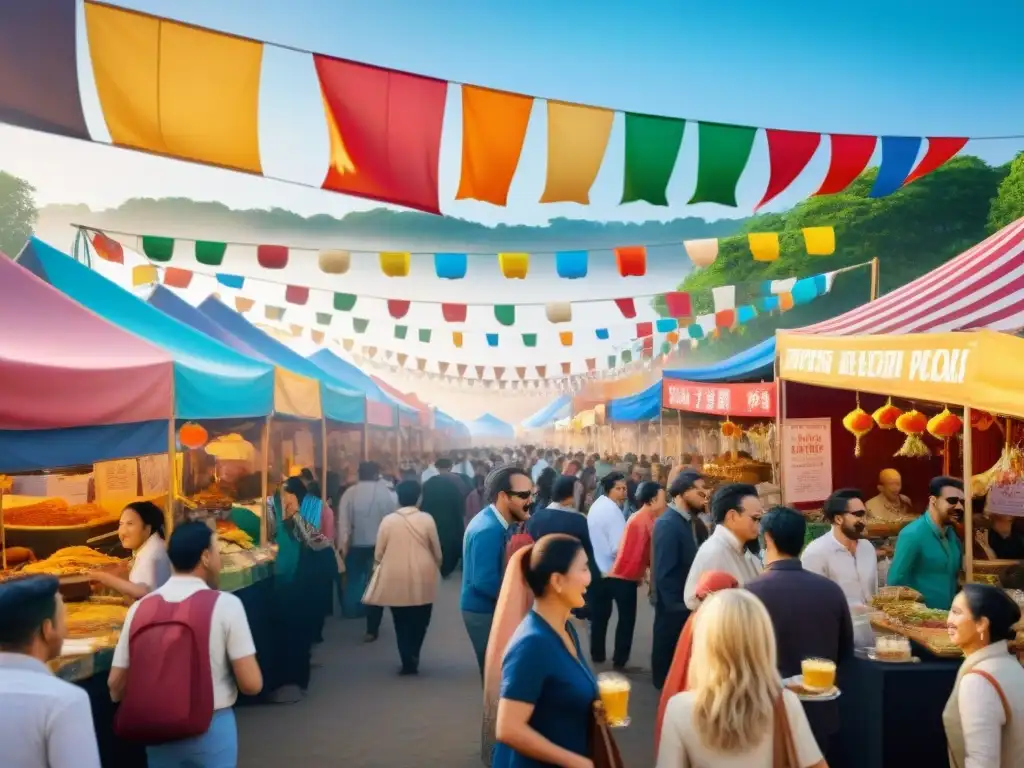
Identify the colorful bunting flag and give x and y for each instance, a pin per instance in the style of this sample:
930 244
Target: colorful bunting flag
461 368
644 329
144 274
601 333
107 248
565 337
334 262
521 371
702 252
652 146
940 150
577 140
457 338
571 265
317 336
677 304
631 260
819 241
344 302
360 324
323 318
395 263
499 371
176 90
529 339
296 294
514 265
850 156
175 277
401 331
211 254
454 313
273 313
272 256
764 246
789 152
492 339
493 130
541 370
558 311
723 154
479 371
566 368
505 314
627 307
401 357
159 249
385 132
398 308
243 305
424 335
450 266
899 153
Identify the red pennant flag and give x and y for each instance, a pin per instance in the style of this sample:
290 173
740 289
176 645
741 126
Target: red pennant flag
631 260
442 368
541 369
521 372
479 371
499 372
626 307
398 308
454 313
296 294
648 345
725 318
850 156
566 368
677 304
940 150
385 132
789 152
591 363
107 248
272 256
644 330
461 368
175 277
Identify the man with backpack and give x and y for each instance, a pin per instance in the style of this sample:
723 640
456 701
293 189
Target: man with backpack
184 654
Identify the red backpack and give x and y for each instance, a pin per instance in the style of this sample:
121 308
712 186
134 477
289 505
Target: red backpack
169 653
519 539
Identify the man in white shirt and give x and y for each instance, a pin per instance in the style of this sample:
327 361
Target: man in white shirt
736 510
845 556
543 462
606 523
196 563
45 722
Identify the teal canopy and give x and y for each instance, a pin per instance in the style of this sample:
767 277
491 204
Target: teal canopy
211 380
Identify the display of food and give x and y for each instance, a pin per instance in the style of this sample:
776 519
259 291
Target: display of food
892 594
228 532
892 648
96 616
70 561
55 513
211 498
913 614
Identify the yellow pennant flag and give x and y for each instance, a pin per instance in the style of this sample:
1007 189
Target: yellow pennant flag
577 140
820 241
144 274
764 246
176 90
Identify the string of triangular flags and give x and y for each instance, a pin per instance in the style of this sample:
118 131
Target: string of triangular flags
630 260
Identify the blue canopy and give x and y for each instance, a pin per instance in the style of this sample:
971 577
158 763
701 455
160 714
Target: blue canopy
642 406
350 375
168 302
488 426
557 409
339 403
754 364
211 380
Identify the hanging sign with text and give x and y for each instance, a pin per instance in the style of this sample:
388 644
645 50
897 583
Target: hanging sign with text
806 460
751 400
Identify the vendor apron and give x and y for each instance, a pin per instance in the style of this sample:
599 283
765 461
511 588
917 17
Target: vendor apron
951 715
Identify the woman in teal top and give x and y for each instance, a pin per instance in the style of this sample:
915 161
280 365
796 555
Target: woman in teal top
928 552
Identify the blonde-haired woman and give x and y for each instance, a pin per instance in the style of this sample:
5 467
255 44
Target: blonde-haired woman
735 713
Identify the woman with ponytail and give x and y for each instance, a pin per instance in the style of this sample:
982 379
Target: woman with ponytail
539 691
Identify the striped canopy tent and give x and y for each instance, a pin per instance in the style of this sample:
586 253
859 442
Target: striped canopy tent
425 418
981 288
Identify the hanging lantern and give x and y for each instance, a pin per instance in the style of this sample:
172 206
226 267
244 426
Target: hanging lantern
193 435
981 421
913 424
731 430
885 417
943 426
858 423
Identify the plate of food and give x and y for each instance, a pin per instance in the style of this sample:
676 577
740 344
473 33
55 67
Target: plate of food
804 693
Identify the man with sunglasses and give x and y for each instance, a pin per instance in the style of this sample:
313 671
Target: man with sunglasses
928 551
844 555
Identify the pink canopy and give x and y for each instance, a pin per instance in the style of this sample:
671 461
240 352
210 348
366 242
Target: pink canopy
62 366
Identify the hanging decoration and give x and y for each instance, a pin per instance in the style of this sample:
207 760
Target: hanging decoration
181 91
913 424
944 425
858 423
885 416
981 421
192 435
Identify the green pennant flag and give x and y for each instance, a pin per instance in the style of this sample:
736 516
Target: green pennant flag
359 324
612 360
424 335
530 339
344 302
323 318
505 314
401 331
652 146
159 248
627 356
722 155
210 253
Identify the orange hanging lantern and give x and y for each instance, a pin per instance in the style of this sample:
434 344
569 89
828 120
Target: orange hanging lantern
731 430
981 421
858 422
885 417
945 425
913 424
193 435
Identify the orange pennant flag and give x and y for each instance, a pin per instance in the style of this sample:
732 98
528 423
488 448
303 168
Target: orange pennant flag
577 140
493 130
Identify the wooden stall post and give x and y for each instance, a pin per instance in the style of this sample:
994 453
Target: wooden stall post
679 438
172 469
265 480
323 462
874 279
968 501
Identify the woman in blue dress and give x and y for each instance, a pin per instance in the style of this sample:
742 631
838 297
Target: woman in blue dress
540 711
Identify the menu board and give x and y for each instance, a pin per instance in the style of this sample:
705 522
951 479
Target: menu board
116 479
1006 499
806 460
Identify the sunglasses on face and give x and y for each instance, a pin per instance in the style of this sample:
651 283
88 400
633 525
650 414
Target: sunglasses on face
954 501
524 495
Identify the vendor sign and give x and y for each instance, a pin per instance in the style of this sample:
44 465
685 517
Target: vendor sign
981 369
752 400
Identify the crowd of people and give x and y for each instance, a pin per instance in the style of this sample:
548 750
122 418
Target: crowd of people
548 544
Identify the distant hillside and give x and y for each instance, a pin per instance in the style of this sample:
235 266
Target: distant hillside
183 217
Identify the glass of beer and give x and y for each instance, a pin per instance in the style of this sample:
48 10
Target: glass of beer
614 690
819 674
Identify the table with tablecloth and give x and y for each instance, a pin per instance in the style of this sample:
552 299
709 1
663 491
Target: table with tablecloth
891 714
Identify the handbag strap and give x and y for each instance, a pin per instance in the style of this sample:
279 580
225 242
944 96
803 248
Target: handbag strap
783 746
416 535
1007 712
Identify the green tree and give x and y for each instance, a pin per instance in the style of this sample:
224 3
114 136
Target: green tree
1009 203
17 213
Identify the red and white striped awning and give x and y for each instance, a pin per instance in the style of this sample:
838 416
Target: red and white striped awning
981 288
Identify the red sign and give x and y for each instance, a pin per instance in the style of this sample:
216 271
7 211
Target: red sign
756 400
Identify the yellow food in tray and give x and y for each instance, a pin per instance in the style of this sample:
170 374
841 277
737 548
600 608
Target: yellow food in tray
228 531
55 513
71 561
91 618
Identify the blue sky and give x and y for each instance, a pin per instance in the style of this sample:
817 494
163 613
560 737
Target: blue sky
893 67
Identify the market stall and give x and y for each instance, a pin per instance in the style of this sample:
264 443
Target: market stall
416 431
490 431
451 432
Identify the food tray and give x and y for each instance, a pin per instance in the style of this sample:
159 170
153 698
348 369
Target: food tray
795 684
935 641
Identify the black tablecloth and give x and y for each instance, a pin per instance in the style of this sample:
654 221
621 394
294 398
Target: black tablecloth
892 714
114 753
